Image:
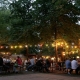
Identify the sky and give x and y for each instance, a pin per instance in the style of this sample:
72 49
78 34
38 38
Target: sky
17 0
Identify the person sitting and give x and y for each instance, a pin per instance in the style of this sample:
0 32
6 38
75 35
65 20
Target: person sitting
68 65
19 63
1 64
32 63
74 65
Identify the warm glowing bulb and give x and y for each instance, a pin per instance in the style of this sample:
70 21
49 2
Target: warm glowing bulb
15 46
26 46
75 46
46 44
58 43
67 46
52 58
53 45
20 46
77 57
11 47
1 46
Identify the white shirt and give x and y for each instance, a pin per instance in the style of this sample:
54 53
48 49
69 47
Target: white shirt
25 62
32 61
4 60
8 60
74 64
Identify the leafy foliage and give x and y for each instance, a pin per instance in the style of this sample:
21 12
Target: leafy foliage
4 26
44 17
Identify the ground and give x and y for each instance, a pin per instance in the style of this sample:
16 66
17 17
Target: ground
39 76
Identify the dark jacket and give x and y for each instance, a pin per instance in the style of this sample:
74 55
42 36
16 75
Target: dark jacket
1 61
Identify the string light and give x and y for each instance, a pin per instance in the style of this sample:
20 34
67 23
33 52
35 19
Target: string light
1 46
46 45
15 46
11 47
6 46
20 46
26 46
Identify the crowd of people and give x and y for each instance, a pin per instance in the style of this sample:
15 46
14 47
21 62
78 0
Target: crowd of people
40 64
7 65
72 65
31 63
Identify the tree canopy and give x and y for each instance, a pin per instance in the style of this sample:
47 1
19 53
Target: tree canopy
4 22
42 20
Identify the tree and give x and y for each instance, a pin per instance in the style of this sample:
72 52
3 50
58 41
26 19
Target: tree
45 17
21 20
4 23
77 3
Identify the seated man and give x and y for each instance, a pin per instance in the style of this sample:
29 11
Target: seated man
68 65
32 63
74 66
